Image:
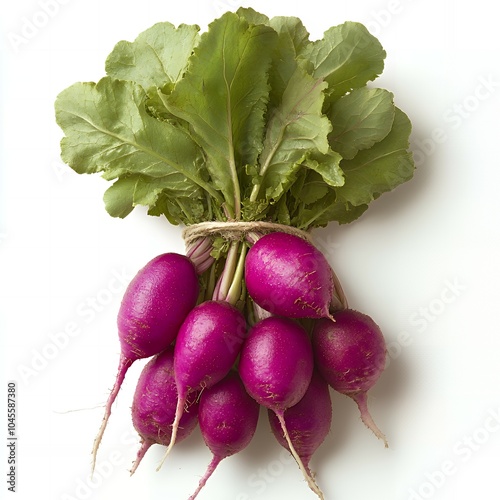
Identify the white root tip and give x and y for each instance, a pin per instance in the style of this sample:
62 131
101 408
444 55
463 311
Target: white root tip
122 370
97 442
146 444
361 400
305 470
169 449
210 470
175 426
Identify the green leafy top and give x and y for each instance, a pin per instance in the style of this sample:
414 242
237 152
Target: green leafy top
248 121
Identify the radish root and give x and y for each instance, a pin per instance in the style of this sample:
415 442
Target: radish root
175 426
122 370
210 470
361 400
305 471
146 444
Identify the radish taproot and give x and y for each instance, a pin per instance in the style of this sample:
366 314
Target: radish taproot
228 419
154 305
206 348
276 366
155 402
288 276
350 353
308 422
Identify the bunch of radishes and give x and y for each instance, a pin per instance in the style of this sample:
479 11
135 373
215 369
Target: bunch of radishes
216 360
250 134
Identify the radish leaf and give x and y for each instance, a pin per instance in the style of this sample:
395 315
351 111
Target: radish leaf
297 126
158 56
360 119
347 57
108 130
224 106
378 169
248 121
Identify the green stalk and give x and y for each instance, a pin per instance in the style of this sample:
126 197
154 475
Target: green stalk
263 170
234 293
232 161
229 269
211 282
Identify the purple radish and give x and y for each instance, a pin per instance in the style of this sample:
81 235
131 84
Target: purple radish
206 348
350 354
154 404
276 367
308 422
155 304
289 276
228 420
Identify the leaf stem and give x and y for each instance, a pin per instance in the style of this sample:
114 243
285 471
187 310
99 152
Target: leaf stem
232 162
209 292
226 277
265 166
200 254
234 293
306 226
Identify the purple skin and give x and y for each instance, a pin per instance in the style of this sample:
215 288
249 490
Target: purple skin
154 404
276 367
155 304
289 276
308 422
228 420
350 354
206 348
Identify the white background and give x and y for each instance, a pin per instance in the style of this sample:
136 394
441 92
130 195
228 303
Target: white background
423 261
